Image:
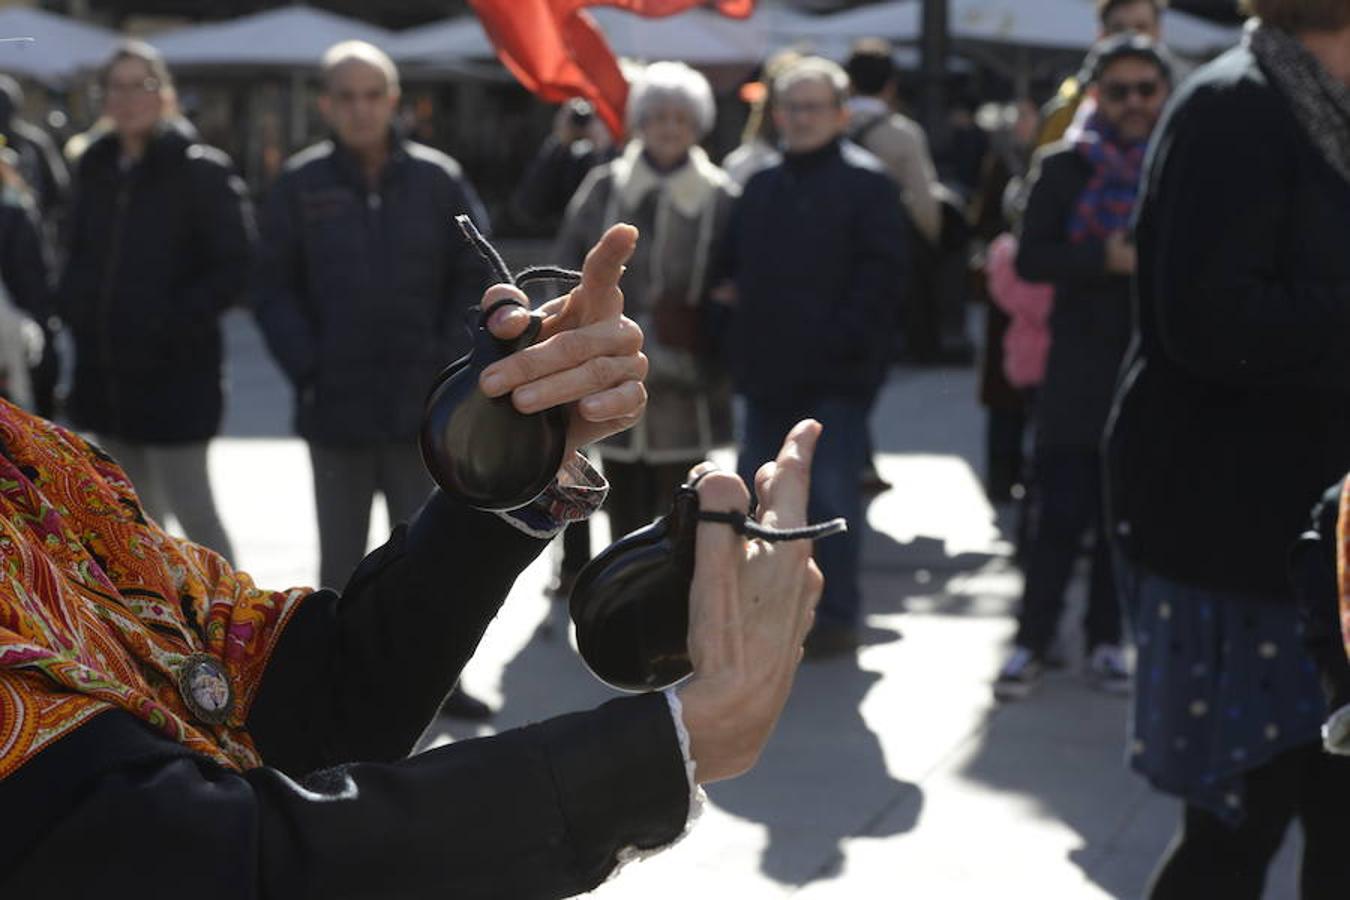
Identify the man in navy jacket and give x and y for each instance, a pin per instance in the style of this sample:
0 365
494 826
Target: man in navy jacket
816 253
362 286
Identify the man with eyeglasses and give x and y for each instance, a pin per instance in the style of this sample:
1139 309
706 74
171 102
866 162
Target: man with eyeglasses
361 289
1075 235
816 252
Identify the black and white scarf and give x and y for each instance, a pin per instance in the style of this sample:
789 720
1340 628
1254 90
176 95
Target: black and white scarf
1320 102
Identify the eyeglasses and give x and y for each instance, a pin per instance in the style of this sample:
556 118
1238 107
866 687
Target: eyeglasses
1119 91
131 88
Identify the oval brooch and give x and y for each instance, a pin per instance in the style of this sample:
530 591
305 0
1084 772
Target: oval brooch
205 687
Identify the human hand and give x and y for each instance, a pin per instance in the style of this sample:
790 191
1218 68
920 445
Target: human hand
1121 257
750 608
588 354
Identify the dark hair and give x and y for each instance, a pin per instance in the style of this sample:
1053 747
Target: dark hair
1106 7
138 50
870 67
1300 15
1109 51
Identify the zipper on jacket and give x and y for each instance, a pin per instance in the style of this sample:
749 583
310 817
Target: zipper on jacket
106 298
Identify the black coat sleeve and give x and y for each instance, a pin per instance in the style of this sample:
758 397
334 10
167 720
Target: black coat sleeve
359 676
278 283
1044 251
1227 307
223 235
115 810
875 272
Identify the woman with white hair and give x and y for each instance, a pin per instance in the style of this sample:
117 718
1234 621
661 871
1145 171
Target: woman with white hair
680 201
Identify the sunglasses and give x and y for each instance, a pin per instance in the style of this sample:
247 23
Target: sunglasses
1119 91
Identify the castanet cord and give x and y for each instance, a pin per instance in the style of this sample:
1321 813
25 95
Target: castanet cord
748 527
498 265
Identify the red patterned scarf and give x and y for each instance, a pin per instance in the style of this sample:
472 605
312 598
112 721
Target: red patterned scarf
100 609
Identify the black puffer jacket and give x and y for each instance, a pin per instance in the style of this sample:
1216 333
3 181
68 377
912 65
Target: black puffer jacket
362 292
157 252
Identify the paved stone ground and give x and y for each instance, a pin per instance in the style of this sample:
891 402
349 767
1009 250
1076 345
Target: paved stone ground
892 775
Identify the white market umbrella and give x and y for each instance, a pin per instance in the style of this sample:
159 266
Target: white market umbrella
288 37
60 46
1057 24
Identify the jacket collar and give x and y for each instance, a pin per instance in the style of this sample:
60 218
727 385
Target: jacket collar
688 186
350 168
812 159
168 142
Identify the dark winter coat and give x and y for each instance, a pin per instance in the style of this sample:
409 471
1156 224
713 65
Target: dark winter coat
816 246
1234 411
157 252
1090 321
362 294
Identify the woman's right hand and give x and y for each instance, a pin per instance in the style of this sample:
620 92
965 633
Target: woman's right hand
751 606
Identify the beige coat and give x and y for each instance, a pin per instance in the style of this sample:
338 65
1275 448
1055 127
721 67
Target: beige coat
901 144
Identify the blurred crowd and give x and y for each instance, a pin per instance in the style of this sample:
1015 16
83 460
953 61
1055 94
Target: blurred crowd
1162 352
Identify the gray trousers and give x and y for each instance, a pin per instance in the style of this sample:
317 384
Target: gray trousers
171 479
345 481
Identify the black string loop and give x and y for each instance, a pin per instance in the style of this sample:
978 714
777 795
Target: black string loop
748 527
500 271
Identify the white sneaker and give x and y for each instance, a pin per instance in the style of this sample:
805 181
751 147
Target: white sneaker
1109 670
1019 676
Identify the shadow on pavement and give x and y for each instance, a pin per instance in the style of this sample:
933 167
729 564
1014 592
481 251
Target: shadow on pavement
822 779
1064 748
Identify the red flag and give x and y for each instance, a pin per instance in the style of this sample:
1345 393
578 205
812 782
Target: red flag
556 50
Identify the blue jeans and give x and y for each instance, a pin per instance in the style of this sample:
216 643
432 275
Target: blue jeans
835 489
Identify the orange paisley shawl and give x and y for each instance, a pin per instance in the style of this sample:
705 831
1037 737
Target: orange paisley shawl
99 607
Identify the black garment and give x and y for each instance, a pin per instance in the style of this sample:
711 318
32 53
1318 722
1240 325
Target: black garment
1234 409
816 246
116 810
639 492
1317 589
1090 323
25 262
552 178
158 251
1066 506
40 163
363 293
1208 858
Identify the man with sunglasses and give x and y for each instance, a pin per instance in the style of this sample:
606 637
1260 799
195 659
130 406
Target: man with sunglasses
1113 17
1075 236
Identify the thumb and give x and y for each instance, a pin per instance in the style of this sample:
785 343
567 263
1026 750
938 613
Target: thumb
510 320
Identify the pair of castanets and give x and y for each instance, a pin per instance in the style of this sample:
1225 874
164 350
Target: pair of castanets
630 604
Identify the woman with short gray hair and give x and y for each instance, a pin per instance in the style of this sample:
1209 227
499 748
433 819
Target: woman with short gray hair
680 201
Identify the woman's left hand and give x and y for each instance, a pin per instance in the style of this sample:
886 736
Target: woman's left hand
589 355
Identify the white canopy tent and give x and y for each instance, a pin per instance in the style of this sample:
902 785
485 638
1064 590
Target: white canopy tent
290 37
60 47
1051 24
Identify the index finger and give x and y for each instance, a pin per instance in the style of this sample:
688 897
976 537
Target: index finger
714 594
598 296
789 488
